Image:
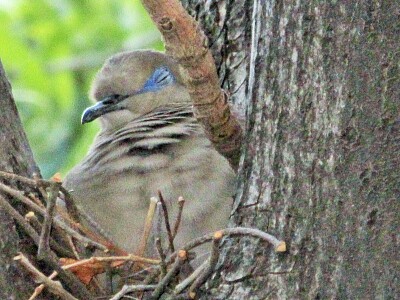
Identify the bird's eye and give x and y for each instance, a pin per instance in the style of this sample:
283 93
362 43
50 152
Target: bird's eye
111 99
160 78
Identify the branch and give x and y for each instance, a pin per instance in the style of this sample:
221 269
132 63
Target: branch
53 286
126 289
212 262
48 219
185 41
182 256
181 203
147 226
57 221
167 224
279 246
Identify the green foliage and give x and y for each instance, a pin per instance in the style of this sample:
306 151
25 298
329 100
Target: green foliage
51 50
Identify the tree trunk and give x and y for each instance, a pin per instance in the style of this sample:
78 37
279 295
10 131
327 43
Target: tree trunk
320 169
15 156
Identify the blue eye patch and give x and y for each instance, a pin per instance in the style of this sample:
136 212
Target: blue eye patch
160 78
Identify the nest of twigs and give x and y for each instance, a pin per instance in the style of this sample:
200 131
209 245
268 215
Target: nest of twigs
76 254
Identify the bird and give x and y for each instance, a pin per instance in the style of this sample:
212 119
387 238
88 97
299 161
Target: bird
149 141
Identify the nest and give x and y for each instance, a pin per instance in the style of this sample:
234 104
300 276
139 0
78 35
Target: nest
76 255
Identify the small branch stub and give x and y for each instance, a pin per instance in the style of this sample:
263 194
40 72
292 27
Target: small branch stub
281 247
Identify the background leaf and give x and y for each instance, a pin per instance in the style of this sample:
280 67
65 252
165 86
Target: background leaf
51 50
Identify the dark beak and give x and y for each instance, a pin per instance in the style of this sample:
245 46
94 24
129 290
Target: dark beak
108 104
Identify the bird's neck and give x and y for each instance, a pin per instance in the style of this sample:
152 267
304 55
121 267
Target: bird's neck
154 135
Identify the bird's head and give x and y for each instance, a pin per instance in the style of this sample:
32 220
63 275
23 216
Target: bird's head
131 84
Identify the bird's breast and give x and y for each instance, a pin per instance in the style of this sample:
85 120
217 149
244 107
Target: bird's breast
115 187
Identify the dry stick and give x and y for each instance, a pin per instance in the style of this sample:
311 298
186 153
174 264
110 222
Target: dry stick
92 260
57 221
48 220
92 223
279 246
86 241
39 289
70 204
212 262
182 256
184 296
35 199
130 257
159 220
126 289
34 222
187 281
40 187
166 220
150 277
99 237
181 203
12 176
73 247
19 219
51 259
163 265
161 254
54 287
147 226
37 182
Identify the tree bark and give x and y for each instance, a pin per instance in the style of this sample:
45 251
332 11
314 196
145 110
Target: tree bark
319 83
15 156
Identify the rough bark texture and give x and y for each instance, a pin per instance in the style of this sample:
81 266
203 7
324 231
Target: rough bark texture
16 157
319 81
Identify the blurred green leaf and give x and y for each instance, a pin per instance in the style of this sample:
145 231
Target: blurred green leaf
51 50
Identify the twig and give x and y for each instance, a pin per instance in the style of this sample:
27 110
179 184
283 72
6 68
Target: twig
187 281
57 221
70 279
147 226
34 222
181 203
53 286
38 182
19 219
86 241
20 196
182 256
99 237
93 224
39 289
73 247
130 257
70 204
48 219
126 289
279 246
166 220
212 262
159 221
23 179
163 265
158 244
40 187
